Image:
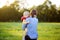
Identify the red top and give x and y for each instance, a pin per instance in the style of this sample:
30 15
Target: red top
23 18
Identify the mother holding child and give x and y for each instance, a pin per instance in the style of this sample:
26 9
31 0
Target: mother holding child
29 25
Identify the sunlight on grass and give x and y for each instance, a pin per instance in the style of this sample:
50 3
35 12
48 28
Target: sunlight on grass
13 31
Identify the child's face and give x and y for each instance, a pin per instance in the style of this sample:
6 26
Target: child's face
25 15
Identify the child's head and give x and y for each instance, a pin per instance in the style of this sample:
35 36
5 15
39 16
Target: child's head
26 14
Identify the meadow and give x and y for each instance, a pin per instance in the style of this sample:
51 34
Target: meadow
13 31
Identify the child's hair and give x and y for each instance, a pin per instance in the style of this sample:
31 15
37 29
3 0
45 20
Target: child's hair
26 13
33 13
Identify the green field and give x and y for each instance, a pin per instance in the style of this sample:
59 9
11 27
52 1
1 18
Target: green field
13 31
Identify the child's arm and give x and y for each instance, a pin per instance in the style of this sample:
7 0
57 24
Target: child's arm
24 22
25 29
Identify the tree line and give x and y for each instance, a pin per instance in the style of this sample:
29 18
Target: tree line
45 13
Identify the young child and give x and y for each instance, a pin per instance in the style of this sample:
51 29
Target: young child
23 18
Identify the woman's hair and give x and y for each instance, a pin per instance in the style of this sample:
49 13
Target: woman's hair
33 13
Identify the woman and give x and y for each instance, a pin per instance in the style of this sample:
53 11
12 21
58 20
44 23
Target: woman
32 26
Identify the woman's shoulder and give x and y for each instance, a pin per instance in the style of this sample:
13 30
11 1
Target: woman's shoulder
28 18
36 19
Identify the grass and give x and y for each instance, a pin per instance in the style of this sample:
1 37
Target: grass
13 31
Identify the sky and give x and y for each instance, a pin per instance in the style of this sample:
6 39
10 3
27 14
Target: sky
28 3
34 3
5 2
57 2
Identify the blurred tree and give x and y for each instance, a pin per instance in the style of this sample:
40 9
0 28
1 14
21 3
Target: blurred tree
46 12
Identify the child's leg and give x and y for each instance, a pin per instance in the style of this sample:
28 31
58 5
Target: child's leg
24 33
23 38
25 30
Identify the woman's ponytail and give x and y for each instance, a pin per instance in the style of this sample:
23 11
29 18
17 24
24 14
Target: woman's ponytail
33 13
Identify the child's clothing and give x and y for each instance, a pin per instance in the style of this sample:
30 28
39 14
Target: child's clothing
24 18
25 29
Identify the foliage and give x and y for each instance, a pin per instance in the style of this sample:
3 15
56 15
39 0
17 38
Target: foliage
46 12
